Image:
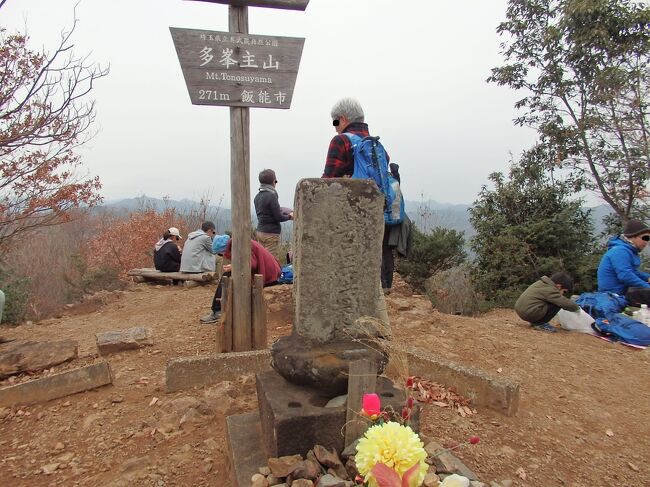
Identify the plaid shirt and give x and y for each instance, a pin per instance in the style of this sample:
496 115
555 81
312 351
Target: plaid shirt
340 161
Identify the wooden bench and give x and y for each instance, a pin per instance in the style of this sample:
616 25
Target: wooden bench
189 279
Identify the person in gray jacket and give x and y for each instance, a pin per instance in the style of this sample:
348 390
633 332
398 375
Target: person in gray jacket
197 251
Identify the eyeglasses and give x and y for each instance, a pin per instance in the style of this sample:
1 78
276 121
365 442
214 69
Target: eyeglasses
336 122
646 238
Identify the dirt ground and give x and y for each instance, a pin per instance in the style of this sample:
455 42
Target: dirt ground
582 420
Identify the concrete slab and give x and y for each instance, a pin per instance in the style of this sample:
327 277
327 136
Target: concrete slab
483 389
244 437
185 373
294 418
56 386
120 340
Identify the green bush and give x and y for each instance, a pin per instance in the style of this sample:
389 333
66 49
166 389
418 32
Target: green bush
16 290
431 252
529 226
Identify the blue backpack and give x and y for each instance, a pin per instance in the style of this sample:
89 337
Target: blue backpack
620 327
287 274
601 305
371 162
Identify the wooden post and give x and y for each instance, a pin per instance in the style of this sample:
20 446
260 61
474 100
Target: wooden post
241 212
259 313
362 380
224 335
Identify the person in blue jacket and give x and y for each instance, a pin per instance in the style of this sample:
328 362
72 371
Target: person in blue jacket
619 269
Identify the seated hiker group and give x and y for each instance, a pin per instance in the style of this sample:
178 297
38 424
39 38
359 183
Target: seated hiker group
621 283
352 152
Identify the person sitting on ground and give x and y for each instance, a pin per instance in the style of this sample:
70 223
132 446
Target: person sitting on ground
262 262
197 252
543 299
269 213
167 252
619 269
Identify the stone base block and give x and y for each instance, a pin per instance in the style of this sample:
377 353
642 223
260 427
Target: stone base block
294 418
245 447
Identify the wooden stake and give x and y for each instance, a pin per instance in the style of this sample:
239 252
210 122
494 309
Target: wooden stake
240 203
258 307
225 333
362 380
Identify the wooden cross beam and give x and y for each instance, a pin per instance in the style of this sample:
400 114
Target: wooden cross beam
283 4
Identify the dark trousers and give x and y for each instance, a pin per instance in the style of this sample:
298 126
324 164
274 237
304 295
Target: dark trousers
550 313
216 300
637 296
387 261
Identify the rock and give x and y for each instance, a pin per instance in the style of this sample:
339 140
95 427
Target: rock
191 416
133 467
307 469
117 399
266 471
283 466
120 340
506 483
337 401
59 446
50 468
330 459
506 451
328 480
476 483
23 356
258 480
431 480
302 483
323 366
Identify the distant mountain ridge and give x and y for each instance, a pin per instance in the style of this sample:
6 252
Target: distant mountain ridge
425 214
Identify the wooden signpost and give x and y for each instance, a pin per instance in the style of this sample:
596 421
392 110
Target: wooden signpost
240 70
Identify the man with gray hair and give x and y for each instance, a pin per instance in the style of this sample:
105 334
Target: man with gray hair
347 116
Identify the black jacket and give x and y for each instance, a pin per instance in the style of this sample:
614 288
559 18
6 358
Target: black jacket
268 212
168 258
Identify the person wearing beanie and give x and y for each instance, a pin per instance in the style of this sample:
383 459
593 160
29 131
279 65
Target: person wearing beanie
543 299
269 213
619 269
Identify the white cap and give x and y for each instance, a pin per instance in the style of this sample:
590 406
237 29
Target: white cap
174 231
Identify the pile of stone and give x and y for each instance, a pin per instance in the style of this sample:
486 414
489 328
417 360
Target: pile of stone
323 468
320 468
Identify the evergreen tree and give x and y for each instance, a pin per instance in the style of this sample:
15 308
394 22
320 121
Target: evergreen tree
527 227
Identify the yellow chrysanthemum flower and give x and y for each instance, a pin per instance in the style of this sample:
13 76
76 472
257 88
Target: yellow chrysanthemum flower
394 445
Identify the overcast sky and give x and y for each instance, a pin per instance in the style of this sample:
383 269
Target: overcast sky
418 68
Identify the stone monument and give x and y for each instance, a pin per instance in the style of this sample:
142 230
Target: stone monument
340 312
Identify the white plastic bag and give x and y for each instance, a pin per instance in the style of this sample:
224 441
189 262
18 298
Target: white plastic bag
579 321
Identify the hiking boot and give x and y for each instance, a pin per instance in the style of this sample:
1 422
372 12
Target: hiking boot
211 318
545 327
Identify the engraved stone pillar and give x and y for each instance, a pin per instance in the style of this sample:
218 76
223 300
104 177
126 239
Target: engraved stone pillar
339 308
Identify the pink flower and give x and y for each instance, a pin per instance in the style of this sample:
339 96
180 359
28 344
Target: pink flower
371 405
473 440
409 382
